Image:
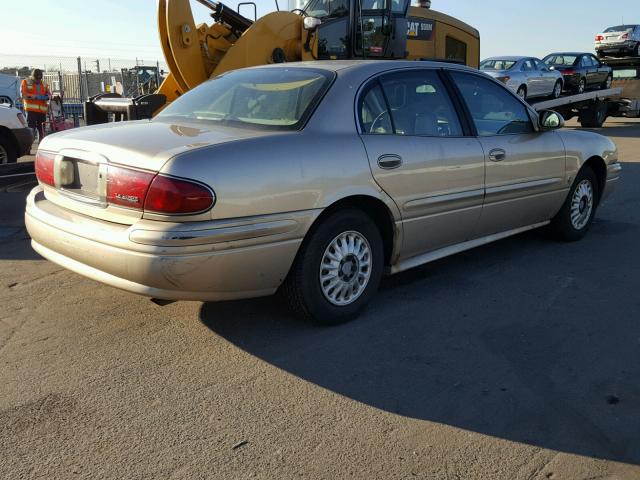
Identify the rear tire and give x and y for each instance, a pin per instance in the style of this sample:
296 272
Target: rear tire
337 270
575 217
595 115
607 84
8 152
582 86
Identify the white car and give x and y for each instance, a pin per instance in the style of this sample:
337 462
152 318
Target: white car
16 137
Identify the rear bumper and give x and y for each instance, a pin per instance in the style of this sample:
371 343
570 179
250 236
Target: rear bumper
221 260
615 48
24 139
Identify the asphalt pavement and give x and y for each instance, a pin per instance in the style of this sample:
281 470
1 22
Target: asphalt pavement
519 360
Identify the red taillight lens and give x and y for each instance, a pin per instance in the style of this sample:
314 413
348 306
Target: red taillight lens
503 79
568 72
44 167
599 38
175 196
624 36
127 187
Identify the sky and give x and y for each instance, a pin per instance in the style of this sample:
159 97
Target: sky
126 29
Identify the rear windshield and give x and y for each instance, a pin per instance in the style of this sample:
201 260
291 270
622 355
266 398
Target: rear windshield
620 28
271 98
497 64
561 60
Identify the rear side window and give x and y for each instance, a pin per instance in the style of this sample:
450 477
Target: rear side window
493 109
417 104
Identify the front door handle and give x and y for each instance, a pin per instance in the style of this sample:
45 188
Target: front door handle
497 155
389 162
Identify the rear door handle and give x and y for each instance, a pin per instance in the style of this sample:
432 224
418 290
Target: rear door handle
497 155
389 162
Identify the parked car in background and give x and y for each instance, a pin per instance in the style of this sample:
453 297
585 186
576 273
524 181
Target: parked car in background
580 71
529 77
15 137
619 40
311 177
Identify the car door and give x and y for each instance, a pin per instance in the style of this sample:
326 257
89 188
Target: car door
525 169
547 79
591 71
602 69
420 156
531 76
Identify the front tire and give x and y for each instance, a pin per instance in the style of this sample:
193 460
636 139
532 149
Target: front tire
557 90
522 92
8 152
575 217
337 270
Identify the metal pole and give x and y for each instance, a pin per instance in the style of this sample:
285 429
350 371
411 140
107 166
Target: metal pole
80 90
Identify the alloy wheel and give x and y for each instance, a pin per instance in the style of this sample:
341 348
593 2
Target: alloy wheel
582 86
581 204
345 268
557 90
609 82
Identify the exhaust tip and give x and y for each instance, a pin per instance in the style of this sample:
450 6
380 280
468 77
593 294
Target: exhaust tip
162 303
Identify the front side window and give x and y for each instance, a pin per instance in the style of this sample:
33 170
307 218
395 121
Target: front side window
494 110
414 103
272 98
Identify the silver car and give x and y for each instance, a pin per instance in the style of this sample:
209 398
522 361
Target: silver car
619 40
314 179
527 76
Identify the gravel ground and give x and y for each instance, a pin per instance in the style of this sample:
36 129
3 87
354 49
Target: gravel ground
518 360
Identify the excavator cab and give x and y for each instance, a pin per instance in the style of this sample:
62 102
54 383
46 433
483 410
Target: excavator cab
347 29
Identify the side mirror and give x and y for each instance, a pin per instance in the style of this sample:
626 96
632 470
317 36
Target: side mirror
552 67
550 120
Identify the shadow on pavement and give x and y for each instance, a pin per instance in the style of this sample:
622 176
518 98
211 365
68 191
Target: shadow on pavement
526 339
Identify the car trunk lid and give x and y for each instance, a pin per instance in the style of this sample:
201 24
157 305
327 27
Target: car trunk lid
85 162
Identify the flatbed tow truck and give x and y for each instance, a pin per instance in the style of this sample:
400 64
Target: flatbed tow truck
593 108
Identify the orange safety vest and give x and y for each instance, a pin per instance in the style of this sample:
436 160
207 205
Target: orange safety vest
29 87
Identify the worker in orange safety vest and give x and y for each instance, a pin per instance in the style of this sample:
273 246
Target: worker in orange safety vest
35 97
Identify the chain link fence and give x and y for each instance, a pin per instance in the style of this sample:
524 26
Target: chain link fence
76 79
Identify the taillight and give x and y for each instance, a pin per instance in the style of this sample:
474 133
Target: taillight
503 79
568 72
127 187
624 36
44 167
599 38
170 195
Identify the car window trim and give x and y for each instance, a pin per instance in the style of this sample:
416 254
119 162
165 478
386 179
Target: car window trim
533 117
371 82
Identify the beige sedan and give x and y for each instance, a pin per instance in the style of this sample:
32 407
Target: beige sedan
314 179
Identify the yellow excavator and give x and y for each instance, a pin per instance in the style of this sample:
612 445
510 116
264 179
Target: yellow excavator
321 30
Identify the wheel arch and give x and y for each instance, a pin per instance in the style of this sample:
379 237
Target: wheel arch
6 133
378 211
599 167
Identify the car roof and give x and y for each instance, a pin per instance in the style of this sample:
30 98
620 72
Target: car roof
569 53
376 65
515 58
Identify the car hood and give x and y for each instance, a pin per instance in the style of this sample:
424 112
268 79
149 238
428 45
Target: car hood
146 144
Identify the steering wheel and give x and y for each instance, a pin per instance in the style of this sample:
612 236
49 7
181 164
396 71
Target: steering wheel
378 119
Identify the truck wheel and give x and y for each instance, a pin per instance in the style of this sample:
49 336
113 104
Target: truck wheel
8 152
573 220
595 115
337 270
522 92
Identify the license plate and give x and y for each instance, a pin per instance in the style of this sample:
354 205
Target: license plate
84 178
